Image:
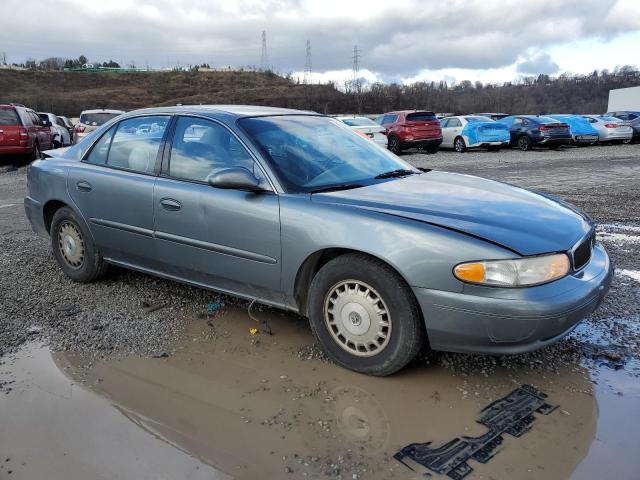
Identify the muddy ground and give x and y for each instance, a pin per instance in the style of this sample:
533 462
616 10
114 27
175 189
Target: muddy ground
136 377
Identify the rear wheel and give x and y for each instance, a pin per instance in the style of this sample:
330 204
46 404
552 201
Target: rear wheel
432 149
73 248
524 143
364 315
459 145
35 153
394 145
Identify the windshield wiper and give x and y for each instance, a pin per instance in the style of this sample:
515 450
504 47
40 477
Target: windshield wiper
335 188
401 172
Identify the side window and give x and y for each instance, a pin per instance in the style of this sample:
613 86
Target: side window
444 123
200 147
454 122
35 119
517 122
25 117
136 143
100 150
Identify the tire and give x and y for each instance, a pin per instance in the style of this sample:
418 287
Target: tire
626 142
35 153
393 145
432 148
459 145
494 148
524 143
355 274
73 248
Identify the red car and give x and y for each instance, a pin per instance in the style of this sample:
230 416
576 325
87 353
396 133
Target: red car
410 129
23 132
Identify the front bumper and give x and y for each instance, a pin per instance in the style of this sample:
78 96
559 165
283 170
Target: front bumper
33 210
516 320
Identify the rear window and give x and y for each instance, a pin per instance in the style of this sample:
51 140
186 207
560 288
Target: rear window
8 116
421 117
96 119
478 119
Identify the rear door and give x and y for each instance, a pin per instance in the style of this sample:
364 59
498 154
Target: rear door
43 134
10 126
113 188
454 127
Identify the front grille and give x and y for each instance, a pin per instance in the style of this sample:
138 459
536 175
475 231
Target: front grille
582 253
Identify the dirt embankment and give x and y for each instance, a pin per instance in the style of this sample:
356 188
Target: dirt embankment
68 93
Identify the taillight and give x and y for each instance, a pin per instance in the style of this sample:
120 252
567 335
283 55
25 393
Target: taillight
611 125
544 127
79 128
24 136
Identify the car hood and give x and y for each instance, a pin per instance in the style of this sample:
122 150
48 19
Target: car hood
526 222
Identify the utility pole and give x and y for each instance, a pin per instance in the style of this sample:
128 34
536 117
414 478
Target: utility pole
355 83
4 58
307 65
264 58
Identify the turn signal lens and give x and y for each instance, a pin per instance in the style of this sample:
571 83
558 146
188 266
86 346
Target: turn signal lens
470 272
518 272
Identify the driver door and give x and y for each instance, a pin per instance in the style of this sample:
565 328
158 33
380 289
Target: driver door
225 239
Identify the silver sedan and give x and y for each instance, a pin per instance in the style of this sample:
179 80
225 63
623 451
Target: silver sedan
291 209
610 129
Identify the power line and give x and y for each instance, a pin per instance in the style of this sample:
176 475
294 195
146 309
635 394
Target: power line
307 65
356 84
264 58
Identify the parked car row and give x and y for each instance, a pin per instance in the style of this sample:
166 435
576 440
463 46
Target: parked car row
27 133
493 131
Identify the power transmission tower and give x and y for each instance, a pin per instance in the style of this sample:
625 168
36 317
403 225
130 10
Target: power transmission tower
356 84
264 58
307 65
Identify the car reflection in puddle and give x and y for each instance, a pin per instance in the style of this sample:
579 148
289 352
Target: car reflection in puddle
231 404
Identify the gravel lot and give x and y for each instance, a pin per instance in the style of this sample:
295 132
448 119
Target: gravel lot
134 313
276 390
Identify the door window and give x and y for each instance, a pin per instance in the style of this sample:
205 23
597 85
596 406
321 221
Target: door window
100 150
444 123
454 122
201 147
517 122
136 143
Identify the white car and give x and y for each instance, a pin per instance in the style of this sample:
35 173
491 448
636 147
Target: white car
92 119
610 129
368 127
60 136
472 131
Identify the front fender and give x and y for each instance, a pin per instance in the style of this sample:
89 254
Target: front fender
423 254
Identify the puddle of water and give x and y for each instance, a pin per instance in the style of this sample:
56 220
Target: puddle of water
229 404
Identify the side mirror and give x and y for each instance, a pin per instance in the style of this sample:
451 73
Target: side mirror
235 178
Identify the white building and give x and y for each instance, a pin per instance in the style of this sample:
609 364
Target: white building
624 99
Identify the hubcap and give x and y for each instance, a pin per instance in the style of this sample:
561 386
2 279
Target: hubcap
459 146
357 318
524 143
71 245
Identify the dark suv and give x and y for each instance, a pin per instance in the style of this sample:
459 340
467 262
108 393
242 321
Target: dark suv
633 118
23 132
411 128
528 131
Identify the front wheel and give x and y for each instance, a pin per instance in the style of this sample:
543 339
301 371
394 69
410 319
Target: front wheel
73 247
364 315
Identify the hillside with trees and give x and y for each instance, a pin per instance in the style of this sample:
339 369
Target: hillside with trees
67 93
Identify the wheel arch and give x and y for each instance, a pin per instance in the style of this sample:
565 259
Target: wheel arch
315 261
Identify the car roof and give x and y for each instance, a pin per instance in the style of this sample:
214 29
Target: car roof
409 111
237 111
102 110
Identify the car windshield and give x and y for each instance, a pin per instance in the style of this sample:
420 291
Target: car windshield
312 153
98 118
8 117
359 122
478 119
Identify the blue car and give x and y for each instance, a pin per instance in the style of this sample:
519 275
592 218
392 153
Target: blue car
582 132
473 131
528 131
295 210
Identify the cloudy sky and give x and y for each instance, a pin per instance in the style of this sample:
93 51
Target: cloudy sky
399 40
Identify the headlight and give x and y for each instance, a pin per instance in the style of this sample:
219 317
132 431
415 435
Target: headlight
518 272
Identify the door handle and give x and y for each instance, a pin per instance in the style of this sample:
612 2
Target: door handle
84 186
170 204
